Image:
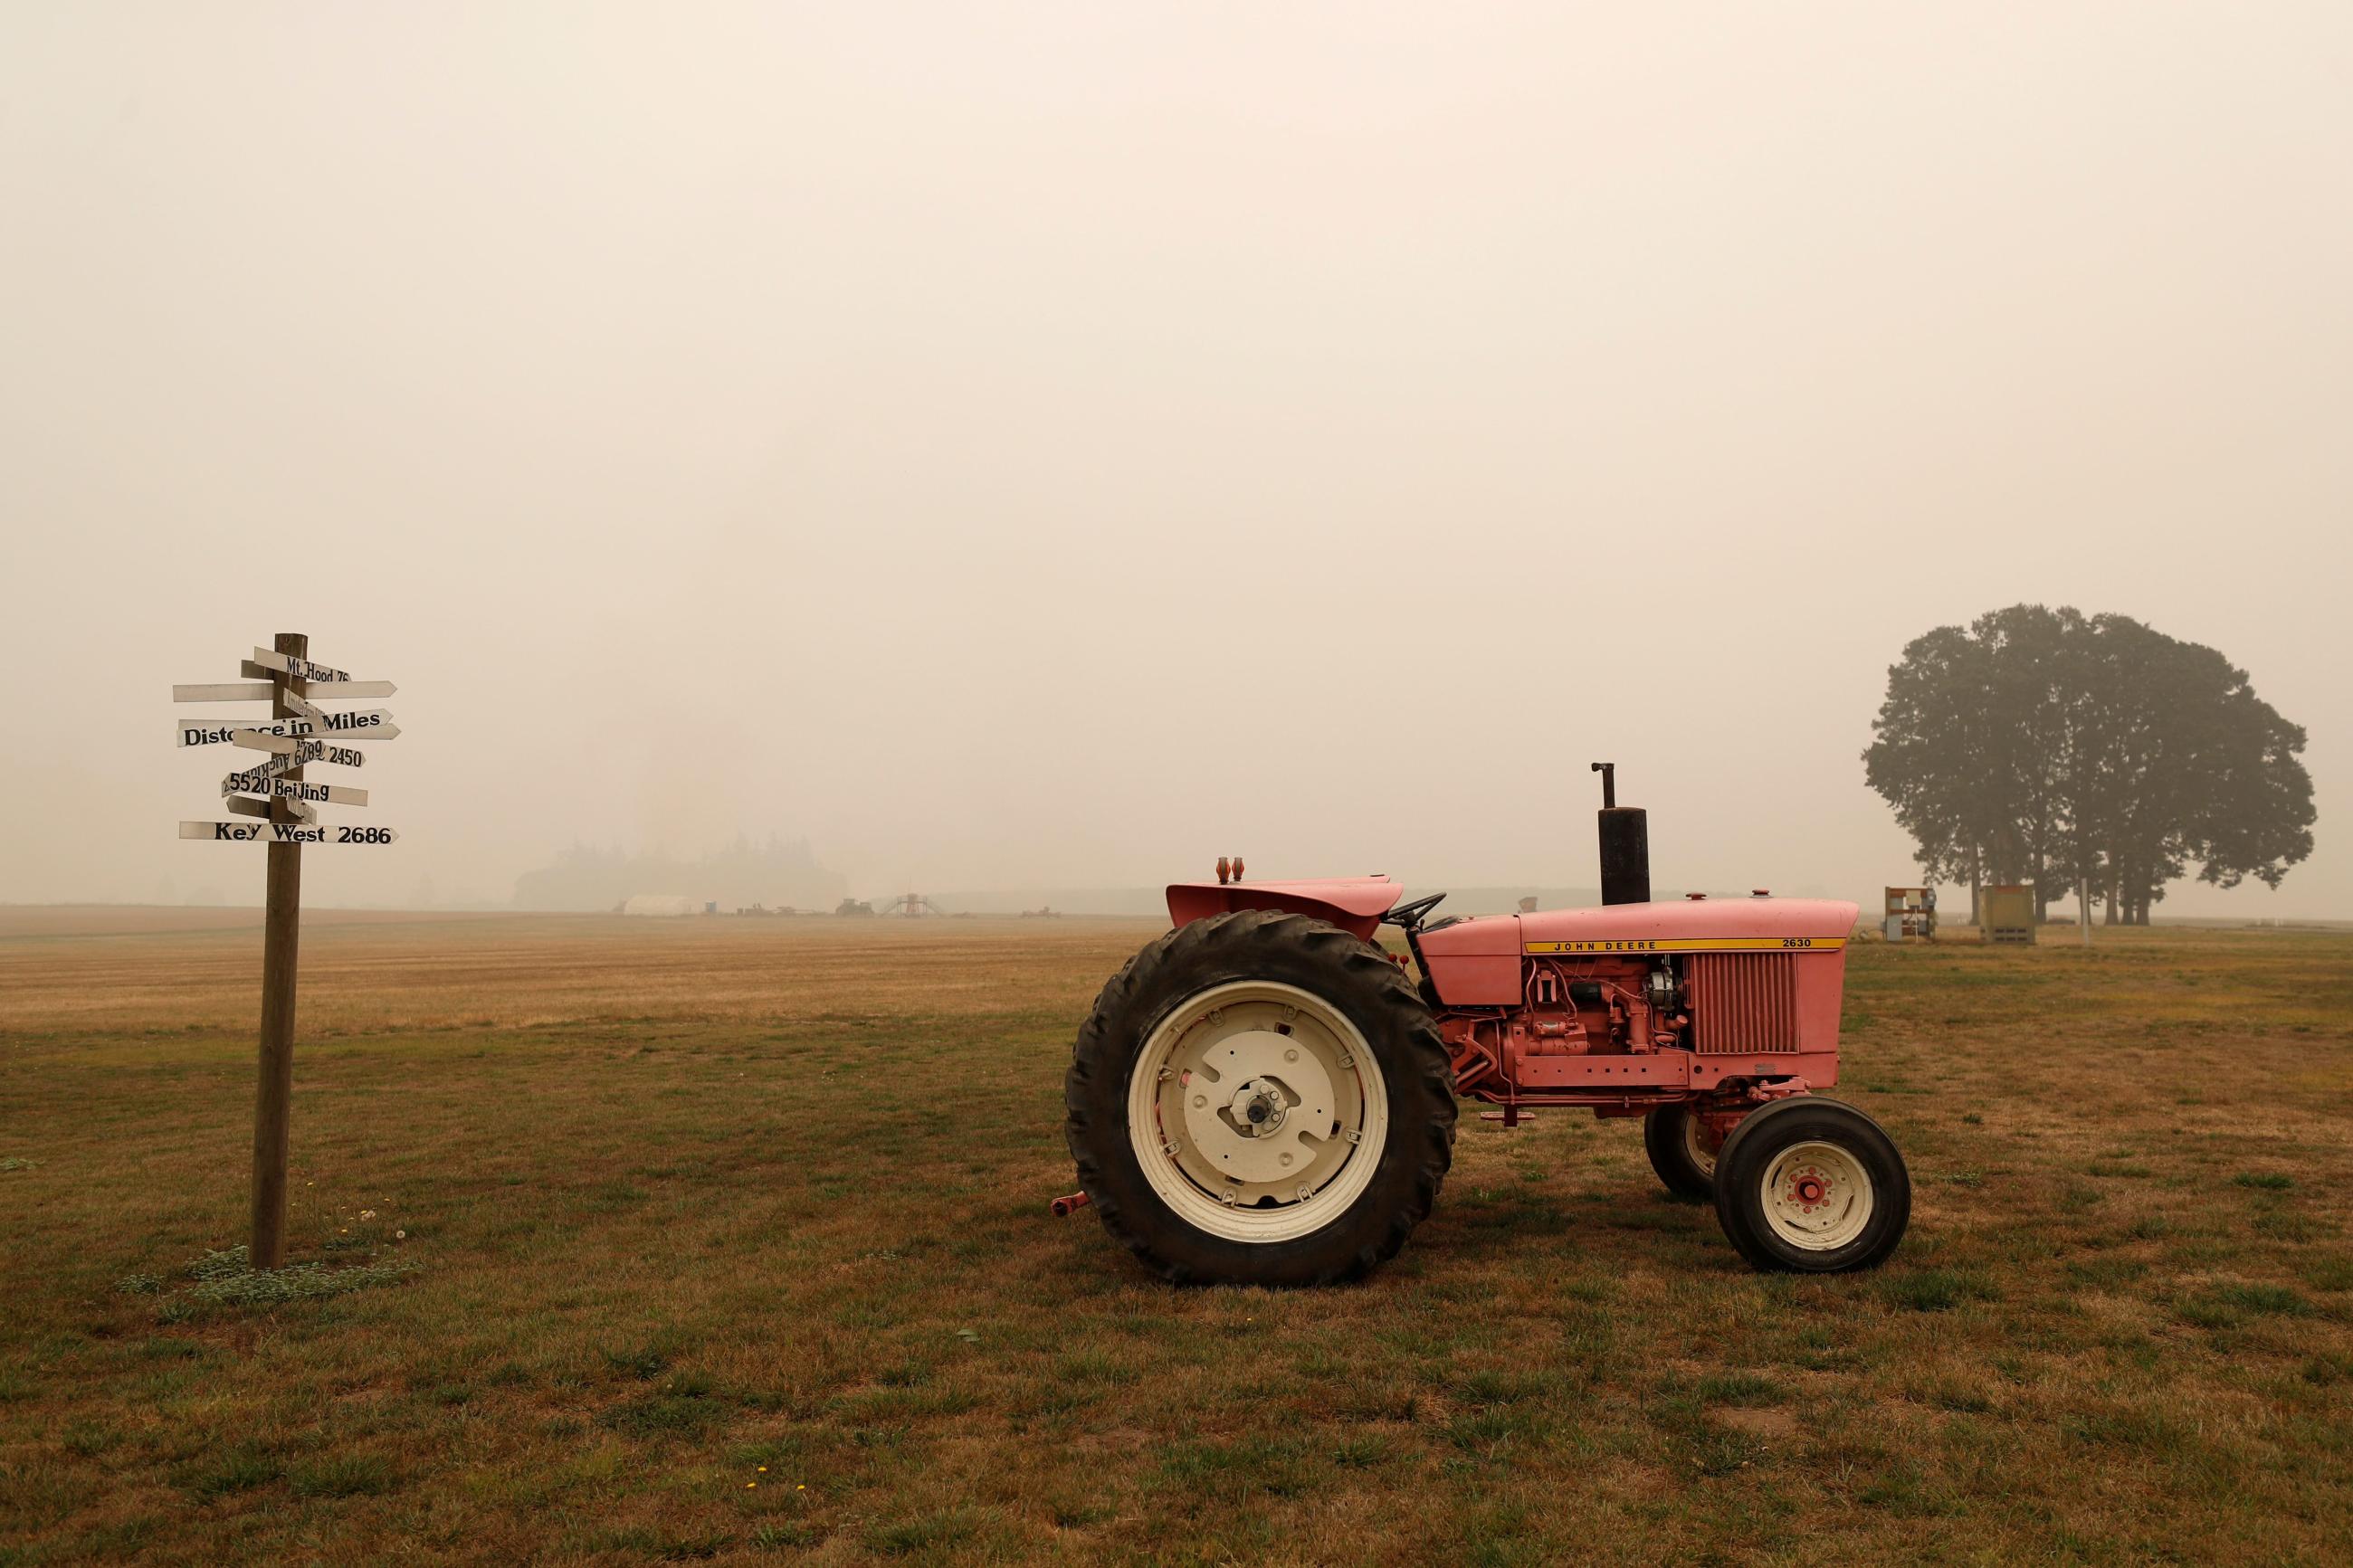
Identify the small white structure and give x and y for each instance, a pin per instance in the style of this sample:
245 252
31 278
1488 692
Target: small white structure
657 904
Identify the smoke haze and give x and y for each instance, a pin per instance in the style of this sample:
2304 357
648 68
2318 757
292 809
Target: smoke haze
1057 445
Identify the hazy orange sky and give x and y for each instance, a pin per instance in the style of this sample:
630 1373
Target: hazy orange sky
1058 443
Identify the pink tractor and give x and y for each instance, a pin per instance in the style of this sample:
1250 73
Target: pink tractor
1264 1096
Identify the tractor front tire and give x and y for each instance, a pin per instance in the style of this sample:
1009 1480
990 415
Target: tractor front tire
1261 1099
1677 1144
1811 1186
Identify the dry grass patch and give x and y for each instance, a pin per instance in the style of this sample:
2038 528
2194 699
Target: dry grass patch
735 1248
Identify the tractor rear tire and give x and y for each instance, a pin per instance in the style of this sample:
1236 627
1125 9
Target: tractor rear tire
1811 1186
1675 1140
1261 1099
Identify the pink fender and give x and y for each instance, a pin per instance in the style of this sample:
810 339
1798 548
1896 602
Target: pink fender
1354 904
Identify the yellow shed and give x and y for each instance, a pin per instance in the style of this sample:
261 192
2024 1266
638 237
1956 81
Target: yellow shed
2008 912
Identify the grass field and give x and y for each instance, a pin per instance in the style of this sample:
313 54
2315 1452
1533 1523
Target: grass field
727 1239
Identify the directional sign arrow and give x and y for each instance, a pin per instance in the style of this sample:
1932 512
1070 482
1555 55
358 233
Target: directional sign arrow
304 708
244 807
300 669
286 833
374 723
293 755
225 691
296 754
304 752
263 690
259 781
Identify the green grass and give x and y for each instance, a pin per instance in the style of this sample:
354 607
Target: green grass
728 1241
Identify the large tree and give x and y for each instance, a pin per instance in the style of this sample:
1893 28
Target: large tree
2052 747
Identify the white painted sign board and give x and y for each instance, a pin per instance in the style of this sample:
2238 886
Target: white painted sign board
304 753
300 669
374 723
255 781
262 690
224 691
239 803
286 833
297 753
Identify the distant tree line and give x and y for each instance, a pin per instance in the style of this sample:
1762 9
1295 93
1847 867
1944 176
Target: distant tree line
782 871
2049 746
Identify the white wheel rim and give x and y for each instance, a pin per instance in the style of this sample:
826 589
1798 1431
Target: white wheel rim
1695 1147
1257 1049
1816 1196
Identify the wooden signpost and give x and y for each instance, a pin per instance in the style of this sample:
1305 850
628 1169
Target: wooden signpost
274 791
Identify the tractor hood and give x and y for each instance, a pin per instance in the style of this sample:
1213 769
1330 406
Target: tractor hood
1712 925
1705 925
1693 925
1477 961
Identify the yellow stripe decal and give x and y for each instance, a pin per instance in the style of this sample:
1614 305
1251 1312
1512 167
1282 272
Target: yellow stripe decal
1696 944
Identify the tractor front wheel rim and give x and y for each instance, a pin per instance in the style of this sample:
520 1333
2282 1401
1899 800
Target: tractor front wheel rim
1816 1196
1257 1111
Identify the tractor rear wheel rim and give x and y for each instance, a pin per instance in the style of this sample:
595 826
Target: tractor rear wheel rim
1816 1196
1257 1111
1703 1158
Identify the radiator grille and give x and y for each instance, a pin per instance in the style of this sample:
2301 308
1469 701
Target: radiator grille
1742 1002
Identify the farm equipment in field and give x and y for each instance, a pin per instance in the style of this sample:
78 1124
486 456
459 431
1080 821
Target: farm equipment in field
1265 1096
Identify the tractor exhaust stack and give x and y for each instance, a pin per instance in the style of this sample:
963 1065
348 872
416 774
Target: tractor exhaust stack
1625 845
